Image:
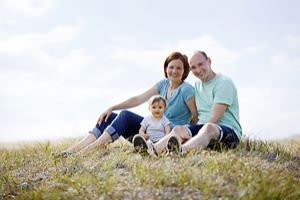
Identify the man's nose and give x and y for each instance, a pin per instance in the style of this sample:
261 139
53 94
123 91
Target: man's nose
198 69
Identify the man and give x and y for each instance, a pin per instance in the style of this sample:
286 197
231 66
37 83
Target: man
218 111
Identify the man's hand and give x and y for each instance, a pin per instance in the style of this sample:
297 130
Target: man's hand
184 139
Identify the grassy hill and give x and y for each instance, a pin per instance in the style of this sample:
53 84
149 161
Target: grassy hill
255 170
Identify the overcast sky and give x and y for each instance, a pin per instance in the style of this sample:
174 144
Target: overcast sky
63 62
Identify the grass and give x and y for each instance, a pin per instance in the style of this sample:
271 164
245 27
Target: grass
254 170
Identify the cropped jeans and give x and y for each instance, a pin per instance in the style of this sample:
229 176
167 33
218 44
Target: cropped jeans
125 124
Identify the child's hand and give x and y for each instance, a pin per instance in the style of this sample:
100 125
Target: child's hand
144 135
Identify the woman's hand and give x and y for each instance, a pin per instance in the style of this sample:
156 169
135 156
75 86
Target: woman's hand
104 116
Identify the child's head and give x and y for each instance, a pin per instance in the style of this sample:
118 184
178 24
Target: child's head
157 106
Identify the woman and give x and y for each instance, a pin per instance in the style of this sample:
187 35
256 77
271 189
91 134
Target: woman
181 108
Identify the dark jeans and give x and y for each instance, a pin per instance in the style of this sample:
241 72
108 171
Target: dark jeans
125 124
228 139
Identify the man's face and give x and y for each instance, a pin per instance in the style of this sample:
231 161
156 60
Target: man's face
200 67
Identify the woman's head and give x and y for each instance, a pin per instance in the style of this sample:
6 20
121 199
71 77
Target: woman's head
177 61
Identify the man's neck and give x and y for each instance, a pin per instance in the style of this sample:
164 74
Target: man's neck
210 77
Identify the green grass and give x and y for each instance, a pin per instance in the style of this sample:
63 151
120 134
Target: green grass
254 170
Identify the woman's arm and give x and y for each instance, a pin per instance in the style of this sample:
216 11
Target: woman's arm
129 103
192 106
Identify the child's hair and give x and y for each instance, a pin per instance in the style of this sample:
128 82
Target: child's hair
157 98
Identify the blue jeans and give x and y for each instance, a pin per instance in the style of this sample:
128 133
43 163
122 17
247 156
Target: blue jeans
125 124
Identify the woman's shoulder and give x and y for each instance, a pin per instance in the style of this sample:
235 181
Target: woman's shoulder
162 82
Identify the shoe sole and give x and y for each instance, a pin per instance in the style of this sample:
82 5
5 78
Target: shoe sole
173 145
153 150
140 145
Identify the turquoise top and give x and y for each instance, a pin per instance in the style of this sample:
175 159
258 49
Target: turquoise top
221 90
177 110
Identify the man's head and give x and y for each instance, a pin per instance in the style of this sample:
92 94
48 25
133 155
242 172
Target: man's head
200 65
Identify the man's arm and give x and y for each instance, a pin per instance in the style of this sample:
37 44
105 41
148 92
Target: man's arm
217 112
192 107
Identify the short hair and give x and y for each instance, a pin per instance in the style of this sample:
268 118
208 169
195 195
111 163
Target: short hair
201 52
157 98
184 59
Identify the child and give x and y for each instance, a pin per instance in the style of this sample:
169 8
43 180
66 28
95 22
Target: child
154 126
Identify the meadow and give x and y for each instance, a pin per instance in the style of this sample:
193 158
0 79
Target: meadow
254 170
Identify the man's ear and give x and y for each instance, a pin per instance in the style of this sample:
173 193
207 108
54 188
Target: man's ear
209 61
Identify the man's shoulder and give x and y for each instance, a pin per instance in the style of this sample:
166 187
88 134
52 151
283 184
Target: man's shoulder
221 78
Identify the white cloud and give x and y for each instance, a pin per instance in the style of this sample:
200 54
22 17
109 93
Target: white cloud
70 64
284 62
293 41
143 58
284 69
268 113
7 21
222 56
31 43
32 8
211 46
38 46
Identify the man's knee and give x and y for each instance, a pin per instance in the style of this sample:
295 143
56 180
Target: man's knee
210 130
179 130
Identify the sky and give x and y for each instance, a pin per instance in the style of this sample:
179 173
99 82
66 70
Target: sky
64 62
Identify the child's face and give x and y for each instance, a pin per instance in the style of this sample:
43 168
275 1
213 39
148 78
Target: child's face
157 109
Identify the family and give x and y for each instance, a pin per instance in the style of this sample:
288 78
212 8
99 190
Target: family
182 117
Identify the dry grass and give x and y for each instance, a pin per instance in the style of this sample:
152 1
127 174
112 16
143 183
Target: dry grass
255 170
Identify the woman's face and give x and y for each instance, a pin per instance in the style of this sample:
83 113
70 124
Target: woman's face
175 70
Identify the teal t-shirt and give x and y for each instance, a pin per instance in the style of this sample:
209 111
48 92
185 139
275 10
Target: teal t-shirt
222 90
177 110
